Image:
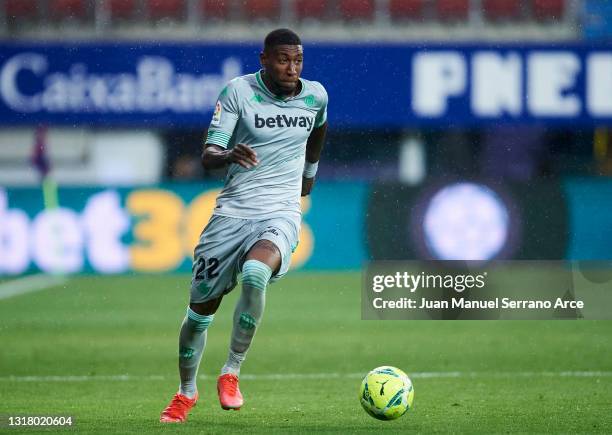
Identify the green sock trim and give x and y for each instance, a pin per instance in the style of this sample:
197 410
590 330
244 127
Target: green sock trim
202 322
256 274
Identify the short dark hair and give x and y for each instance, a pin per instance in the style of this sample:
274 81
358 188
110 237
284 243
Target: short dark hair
281 37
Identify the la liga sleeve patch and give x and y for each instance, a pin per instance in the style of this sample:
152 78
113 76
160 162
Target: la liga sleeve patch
216 119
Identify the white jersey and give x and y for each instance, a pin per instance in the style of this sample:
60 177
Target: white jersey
248 113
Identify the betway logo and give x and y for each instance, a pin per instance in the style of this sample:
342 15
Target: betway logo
284 121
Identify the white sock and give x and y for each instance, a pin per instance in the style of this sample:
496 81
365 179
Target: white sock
192 340
248 313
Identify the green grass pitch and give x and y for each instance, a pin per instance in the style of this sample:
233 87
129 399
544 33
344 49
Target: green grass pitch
65 349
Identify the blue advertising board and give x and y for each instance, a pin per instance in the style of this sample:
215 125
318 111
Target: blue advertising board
597 20
590 211
370 85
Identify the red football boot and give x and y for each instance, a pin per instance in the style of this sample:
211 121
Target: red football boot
229 392
177 410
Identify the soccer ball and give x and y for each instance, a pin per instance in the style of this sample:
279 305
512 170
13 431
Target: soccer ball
386 393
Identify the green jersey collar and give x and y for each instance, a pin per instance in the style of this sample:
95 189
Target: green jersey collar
264 88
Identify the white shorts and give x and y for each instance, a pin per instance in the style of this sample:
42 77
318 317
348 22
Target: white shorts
223 245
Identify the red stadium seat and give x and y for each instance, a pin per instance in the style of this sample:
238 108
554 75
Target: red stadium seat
160 9
406 9
496 10
262 9
215 9
67 9
122 9
453 10
545 10
357 9
316 9
21 9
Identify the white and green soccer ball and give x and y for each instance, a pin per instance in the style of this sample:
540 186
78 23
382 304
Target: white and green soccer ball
386 393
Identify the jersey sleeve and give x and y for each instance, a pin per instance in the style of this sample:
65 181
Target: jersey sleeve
225 117
321 117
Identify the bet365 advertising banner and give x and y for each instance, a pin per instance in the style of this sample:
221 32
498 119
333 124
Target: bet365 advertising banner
370 85
345 224
154 229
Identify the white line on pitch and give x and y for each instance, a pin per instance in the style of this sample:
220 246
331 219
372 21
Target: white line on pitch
297 376
29 284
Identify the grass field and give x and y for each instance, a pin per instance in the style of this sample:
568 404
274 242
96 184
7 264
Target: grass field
103 349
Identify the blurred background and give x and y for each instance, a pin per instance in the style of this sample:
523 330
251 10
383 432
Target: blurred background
458 129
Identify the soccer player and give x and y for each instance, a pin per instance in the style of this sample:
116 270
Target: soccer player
268 129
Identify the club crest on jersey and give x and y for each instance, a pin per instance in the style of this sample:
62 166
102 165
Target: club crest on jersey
216 119
283 121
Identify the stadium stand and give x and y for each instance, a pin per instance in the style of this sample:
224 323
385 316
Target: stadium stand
453 10
262 9
501 10
82 156
215 9
122 9
406 9
17 10
314 19
166 9
357 10
548 9
68 9
311 9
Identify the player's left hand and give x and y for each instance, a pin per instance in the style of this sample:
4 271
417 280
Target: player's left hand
307 184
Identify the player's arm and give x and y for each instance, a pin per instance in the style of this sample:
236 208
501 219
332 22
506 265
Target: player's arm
314 146
225 118
214 156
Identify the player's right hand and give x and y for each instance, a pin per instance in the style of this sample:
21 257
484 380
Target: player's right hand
244 156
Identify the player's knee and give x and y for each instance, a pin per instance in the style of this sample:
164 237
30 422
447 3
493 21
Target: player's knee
256 274
199 322
206 308
266 252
